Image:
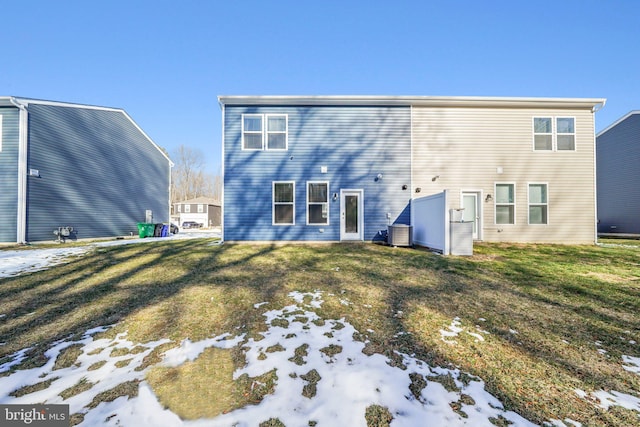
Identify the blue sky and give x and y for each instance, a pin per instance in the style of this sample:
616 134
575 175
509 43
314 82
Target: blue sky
165 62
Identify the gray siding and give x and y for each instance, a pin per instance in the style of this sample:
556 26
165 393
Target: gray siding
354 143
618 177
9 174
98 173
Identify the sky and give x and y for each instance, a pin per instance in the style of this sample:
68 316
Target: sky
166 62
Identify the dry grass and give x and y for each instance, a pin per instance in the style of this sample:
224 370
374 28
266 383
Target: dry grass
541 309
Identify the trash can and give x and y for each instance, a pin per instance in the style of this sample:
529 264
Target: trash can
165 230
145 229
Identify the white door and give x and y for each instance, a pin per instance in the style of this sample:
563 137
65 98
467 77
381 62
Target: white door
351 215
471 211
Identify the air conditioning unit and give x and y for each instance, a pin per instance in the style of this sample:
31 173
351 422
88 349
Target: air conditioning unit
400 235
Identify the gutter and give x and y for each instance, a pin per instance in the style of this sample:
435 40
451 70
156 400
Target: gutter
21 229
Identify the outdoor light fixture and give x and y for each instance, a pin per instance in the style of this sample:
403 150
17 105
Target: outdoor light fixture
418 189
335 196
405 186
488 198
378 177
435 177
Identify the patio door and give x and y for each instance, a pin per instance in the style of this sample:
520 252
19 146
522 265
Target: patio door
351 215
471 212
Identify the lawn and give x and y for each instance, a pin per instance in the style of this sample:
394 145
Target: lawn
552 330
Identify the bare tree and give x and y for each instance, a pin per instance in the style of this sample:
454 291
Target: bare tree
189 180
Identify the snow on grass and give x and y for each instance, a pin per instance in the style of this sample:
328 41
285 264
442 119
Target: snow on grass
632 364
345 382
13 263
455 328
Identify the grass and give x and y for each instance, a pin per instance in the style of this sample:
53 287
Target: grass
543 312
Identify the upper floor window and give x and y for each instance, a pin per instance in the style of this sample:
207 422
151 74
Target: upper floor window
554 134
179 208
505 204
538 204
264 131
187 208
318 203
200 208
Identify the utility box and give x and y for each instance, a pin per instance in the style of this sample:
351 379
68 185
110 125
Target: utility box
461 238
400 235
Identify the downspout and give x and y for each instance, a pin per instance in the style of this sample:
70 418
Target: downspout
21 229
594 110
222 177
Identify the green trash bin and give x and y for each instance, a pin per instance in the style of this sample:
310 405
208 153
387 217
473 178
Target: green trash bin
146 230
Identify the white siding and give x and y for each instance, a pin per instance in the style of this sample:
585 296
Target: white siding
466 146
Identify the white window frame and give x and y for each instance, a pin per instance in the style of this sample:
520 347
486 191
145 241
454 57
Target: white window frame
179 208
554 134
529 204
265 132
187 208
268 132
254 132
274 203
318 203
496 203
200 208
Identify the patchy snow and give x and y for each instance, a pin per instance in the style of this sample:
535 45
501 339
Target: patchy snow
15 262
350 381
632 364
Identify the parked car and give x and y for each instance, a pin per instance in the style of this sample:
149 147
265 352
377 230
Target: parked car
191 224
173 229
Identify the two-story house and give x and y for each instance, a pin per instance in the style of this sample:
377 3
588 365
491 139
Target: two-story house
336 168
89 170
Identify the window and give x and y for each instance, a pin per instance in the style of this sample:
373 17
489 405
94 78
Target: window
276 132
200 208
317 203
187 208
566 138
283 203
538 204
179 208
264 132
505 204
252 132
554 134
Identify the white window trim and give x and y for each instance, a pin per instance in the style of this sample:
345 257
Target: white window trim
261 132
264 132
179 208
529 204
273 203
554 134
495 202
187 208
315 203
267 132
200 208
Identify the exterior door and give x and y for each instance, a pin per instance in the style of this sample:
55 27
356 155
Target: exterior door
471 212
351 215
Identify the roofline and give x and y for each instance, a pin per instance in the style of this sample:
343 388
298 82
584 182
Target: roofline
10 101
420 101
617 122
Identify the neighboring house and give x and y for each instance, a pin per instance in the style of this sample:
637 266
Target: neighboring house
203 210
618 176
334 168
86 167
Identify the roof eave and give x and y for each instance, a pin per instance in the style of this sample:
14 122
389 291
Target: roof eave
420 101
